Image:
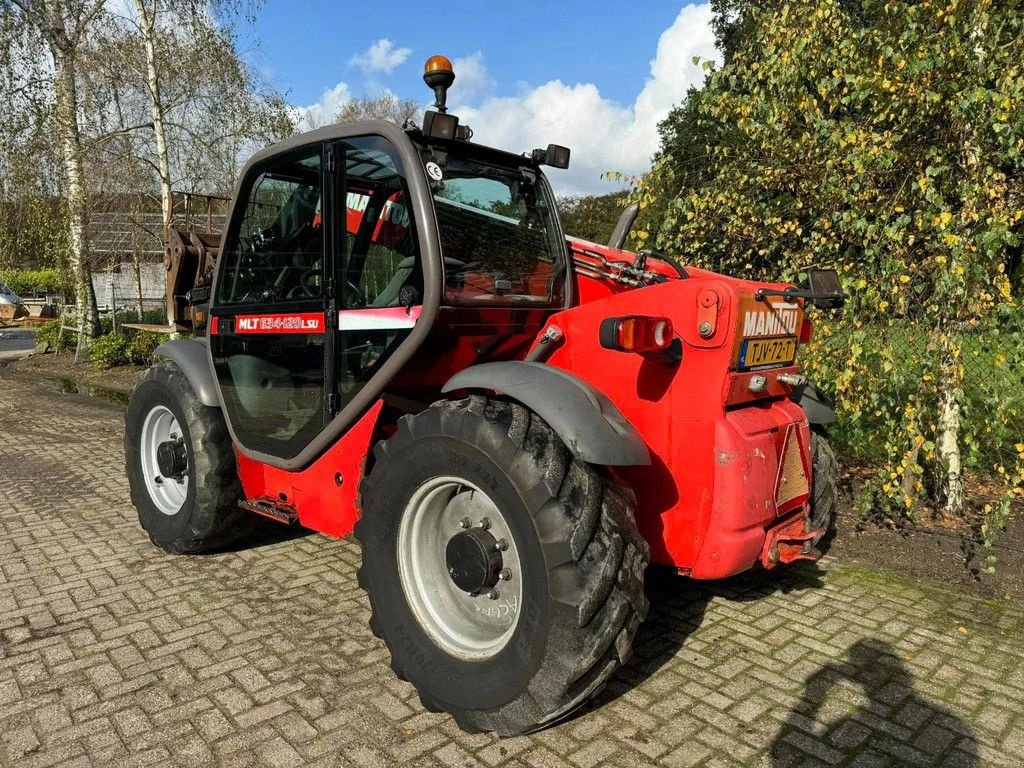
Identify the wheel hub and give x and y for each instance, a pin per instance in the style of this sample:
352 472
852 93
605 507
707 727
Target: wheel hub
460 568
172 458
164 460
473 560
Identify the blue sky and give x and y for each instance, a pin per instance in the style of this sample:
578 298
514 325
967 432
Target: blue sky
595 75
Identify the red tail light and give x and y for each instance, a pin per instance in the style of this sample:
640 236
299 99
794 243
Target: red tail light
636 333
806 331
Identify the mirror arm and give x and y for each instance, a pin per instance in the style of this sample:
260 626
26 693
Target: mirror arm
787 293
798 293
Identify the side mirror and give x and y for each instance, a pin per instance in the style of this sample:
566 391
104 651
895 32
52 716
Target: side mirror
826 292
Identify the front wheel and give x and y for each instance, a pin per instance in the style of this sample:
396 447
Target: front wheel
504 575
181 466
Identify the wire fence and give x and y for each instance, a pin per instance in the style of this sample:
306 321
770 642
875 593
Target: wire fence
922 402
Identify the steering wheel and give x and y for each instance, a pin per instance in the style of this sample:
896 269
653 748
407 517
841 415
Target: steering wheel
354 298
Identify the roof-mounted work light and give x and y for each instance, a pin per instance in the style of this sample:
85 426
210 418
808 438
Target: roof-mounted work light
556 156
440 126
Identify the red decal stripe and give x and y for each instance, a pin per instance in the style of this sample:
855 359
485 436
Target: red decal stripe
305 322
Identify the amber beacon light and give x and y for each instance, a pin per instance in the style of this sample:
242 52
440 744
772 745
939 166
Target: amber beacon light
439 76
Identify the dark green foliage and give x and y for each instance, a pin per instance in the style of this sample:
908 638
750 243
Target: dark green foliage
109 351
141 346
885 138
57 342
25 282
591 217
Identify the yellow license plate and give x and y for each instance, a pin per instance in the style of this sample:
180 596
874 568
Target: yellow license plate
767 353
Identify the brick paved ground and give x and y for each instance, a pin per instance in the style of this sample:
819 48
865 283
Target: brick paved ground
114 653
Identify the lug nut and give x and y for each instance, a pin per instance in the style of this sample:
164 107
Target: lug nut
501 545
485 523
505 574
493 594
465 522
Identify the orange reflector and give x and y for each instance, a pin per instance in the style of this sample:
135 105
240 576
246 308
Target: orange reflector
792 483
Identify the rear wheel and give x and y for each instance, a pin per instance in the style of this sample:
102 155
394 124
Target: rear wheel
505 576
181 466
824 489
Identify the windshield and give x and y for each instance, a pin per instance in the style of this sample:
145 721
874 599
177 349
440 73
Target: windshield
499 233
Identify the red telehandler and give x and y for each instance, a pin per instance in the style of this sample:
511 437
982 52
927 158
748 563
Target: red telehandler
397 339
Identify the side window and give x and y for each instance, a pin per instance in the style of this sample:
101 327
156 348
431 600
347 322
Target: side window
277 254
381 254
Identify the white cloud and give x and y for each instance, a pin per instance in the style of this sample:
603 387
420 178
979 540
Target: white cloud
324 111
472 80
603 135
382 57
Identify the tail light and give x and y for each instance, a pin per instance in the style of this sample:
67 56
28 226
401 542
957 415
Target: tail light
806 331
636 333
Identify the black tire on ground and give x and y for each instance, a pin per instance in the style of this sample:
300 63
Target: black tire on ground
824 489
210 517
583 563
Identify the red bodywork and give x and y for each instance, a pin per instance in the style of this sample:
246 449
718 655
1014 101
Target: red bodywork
730 471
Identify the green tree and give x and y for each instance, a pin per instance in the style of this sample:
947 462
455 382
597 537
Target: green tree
591 217
886 138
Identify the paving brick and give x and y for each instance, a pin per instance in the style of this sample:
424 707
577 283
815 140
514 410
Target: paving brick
113 653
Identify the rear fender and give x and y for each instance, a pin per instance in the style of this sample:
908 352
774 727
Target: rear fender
584 418
815 404
193 358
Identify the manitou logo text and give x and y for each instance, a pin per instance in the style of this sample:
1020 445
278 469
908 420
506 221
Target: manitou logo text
304 323
778 321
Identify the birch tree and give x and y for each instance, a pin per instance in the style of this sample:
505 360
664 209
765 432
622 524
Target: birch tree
61 28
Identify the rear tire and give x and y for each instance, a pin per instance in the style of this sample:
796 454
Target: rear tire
824 489
199 511
573 536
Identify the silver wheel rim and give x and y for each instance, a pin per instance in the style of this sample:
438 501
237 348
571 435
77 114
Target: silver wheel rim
167 493
471 627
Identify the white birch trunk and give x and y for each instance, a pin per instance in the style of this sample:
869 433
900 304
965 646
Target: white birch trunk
66 115
147 21
948 444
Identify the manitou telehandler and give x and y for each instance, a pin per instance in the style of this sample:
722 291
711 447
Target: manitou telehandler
397 339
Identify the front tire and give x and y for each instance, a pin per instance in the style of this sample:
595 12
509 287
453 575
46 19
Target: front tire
567 611
193 506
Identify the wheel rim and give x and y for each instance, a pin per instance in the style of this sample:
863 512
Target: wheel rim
464 625
167 493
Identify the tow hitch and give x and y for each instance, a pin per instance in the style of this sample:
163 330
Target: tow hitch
790 541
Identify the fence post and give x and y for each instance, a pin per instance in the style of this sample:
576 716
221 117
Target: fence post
113 303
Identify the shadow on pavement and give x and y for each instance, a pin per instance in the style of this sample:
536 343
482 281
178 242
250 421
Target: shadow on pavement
895 727
266 533
677 610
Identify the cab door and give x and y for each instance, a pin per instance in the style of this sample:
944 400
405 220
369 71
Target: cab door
270 339
379 269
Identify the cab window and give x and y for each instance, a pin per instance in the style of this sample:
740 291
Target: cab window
499 232
277 254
